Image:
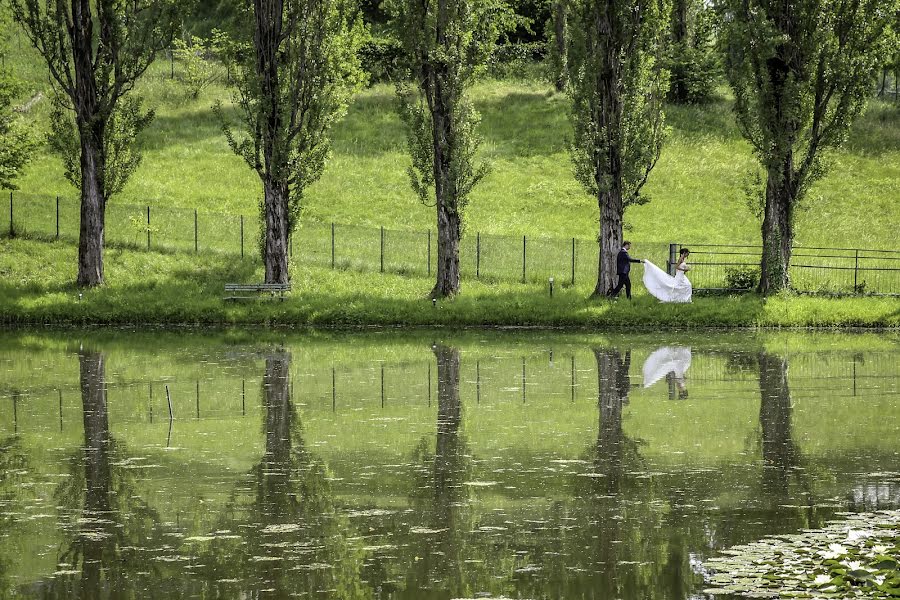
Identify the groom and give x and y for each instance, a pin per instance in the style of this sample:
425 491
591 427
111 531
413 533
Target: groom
623 268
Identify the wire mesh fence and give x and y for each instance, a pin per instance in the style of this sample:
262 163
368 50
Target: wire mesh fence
813 270
486 257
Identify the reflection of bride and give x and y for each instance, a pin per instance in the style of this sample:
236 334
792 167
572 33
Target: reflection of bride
665 360
666 288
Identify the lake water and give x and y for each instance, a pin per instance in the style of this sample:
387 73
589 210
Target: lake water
427 465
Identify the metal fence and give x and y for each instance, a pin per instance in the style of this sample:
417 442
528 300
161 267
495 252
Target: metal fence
487 257
728 267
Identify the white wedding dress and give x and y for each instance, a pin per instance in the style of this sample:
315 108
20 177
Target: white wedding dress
663 286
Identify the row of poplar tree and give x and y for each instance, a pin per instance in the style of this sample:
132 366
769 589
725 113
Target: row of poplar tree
801 71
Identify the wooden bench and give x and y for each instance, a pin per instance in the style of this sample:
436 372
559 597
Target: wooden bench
246 291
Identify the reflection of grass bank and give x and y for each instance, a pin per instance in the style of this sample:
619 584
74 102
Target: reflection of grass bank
35 287
856 558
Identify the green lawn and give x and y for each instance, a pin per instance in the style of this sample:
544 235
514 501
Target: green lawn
149 287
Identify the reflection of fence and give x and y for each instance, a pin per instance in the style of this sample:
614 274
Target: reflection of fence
534 377
820 270
491 258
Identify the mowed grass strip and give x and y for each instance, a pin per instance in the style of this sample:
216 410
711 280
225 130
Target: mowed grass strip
36 286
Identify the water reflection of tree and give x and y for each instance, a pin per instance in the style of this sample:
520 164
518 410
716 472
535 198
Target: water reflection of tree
113 532
13 463
280 535
780 453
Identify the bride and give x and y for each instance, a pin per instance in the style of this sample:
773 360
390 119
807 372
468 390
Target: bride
665 287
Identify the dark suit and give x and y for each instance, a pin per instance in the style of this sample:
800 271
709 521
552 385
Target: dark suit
623 268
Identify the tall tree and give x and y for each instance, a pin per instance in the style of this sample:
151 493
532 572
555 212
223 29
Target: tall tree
446 43
293 82
617 88
556 38
801 71
95 51
691 58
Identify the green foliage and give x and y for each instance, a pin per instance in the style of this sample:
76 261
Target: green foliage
617 88
801 73
741 278
691 58
443 53
17 139
318 74
128 36
381 57
198 69
123 156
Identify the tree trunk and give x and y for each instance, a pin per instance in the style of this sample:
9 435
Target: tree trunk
448 234
97 475
91 128
439 93
277 231
777 230
608 169
610 239
267 40
559 31
93 215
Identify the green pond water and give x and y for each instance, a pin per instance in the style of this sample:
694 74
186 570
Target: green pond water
430 464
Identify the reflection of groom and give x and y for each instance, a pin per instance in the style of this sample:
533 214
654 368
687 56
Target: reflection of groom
623 268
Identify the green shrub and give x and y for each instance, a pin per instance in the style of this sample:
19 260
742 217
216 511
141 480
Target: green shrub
741 277
381 58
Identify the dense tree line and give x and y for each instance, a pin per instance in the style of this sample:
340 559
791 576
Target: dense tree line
801 72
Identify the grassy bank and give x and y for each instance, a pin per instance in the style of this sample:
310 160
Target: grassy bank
177 288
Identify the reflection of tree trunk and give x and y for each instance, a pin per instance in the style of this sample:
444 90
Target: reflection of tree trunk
96 468
613 385
780 453
612 395
274 476
446 459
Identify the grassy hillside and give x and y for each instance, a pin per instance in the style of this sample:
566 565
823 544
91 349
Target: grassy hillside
696 188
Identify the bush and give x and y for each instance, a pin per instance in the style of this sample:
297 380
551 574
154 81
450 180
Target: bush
381 58
741 277
198 69
518 61
693 74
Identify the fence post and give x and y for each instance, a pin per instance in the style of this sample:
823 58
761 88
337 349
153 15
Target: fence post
291 244
670 264
478 255
12 231
382 249
429 253
57 217
332 244
573 261
242 236
171 64
148 227
196 245
523 259
856 274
